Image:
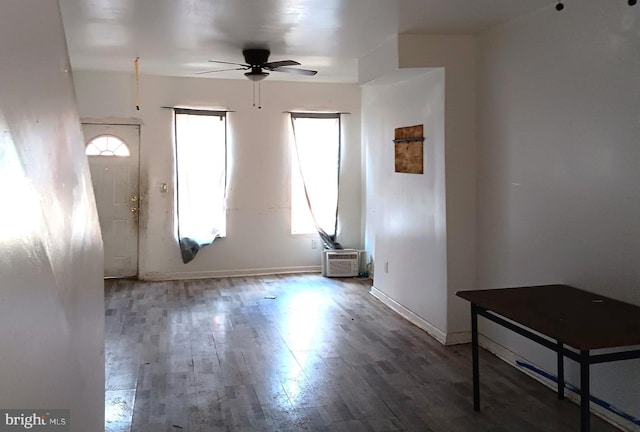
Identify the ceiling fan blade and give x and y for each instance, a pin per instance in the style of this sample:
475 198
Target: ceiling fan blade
221 70
276 64
295 71
229 63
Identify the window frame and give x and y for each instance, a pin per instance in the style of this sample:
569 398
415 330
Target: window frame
113 155
199 112
313 115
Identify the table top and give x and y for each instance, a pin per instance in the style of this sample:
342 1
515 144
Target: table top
575 317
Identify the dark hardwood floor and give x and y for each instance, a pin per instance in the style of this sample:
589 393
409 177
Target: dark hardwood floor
323 355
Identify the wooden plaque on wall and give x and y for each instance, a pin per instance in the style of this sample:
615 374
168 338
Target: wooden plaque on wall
409 149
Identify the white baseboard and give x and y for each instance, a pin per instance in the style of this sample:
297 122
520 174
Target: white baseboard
410 316
458 338
213 274
436 333
511 358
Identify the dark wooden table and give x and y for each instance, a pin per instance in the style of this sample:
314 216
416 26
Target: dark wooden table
568 317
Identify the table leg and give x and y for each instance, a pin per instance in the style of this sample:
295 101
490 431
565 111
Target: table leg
584 391
560 372
474 354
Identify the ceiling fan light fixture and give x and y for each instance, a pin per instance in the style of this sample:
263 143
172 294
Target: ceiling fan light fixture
256 76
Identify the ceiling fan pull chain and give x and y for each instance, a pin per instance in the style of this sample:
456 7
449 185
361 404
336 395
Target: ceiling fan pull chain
259 95
254 93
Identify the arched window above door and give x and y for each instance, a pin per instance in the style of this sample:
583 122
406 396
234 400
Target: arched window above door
107 145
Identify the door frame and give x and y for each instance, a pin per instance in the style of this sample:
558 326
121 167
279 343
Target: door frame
142 201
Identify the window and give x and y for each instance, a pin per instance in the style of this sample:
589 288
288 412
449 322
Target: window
201 162
315 163
107 145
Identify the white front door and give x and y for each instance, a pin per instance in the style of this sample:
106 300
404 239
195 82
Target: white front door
113 152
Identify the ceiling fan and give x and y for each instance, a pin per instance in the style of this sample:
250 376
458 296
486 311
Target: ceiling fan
256 63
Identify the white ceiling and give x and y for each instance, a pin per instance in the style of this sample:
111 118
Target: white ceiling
178 37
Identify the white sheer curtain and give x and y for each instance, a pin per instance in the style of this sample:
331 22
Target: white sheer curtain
201 177
317 159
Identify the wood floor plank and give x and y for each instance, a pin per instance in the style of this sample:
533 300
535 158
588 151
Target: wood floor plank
298 352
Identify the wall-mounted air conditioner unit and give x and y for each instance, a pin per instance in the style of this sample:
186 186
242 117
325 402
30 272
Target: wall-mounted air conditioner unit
342 263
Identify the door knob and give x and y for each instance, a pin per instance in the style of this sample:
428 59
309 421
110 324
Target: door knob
133 209
134 198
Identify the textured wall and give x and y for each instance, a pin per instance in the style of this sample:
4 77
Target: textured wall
51 290
559 200
406 217
258 228
434 223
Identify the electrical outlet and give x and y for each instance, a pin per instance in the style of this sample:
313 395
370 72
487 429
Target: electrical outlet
314 244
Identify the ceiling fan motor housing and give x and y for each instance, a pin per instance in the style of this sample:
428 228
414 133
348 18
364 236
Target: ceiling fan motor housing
256 74
256 56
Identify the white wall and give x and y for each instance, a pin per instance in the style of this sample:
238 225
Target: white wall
405 213
51 290
421 234
258 238
559 165
457 54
